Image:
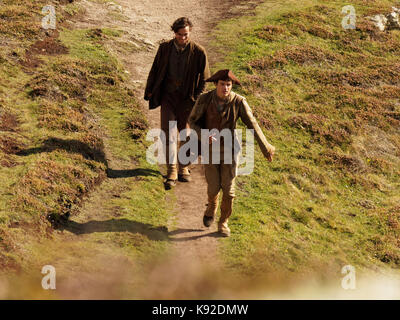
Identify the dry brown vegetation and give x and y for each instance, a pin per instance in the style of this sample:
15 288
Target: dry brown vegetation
52 86
329 101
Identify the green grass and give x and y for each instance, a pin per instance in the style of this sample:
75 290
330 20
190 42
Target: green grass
60 122
328 100
330 197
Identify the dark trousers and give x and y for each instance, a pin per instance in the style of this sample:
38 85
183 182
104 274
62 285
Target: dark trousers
174 108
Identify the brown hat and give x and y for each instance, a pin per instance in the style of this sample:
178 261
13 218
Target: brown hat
225 74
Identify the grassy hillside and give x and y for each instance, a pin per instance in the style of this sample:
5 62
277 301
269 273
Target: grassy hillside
66 110
328 99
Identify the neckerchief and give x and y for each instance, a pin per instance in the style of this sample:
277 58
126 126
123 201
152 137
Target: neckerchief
221 106
180 49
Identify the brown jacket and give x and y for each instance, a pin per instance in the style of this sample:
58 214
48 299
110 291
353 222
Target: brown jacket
235 109
197 71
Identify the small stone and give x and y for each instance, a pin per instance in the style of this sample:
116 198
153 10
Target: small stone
148 42
134 44
393 21
114 7
379 21
389 21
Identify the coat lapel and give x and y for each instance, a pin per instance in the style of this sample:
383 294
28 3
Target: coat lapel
189 66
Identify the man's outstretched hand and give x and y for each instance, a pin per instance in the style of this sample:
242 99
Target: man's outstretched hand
270 154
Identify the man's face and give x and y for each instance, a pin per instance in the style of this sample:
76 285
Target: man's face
182 36
224 88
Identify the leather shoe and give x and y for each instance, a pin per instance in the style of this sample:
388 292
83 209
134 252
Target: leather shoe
207 221
169 184
184 177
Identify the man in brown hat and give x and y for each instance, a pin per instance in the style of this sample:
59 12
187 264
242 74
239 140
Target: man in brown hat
176 79
220 109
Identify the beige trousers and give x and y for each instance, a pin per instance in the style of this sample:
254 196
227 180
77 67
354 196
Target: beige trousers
220 177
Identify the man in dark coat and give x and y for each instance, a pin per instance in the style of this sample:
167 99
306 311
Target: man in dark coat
176 79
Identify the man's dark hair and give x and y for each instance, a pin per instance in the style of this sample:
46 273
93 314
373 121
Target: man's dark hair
180 23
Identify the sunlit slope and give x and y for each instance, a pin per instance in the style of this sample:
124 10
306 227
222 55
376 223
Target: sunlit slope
329 100
69 121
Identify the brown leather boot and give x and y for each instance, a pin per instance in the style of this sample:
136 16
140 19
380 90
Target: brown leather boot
172 172
184 174
211 210
223 228
169 184
226 211
172 175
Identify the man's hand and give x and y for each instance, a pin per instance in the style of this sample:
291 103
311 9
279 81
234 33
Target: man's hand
212 138
271 154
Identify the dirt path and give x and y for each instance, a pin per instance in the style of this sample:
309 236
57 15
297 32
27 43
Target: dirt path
193 258
149 23
194 247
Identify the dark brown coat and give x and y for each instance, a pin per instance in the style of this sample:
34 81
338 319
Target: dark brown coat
194 83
